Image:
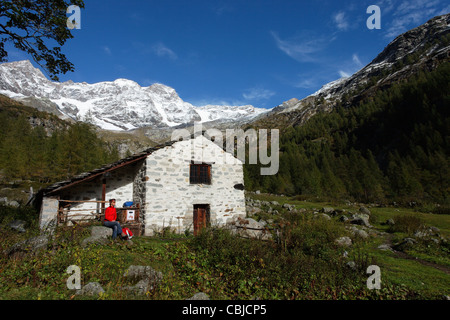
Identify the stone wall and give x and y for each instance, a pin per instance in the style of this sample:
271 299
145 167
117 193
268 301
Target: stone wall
170 198
49 213
139 188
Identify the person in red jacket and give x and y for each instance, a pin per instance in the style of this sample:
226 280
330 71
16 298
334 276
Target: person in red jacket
111 219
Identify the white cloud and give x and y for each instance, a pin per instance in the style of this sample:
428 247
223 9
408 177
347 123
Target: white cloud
306 84
341 21
410 14
161 50
300 48
356 60
107 50
344 74
258 94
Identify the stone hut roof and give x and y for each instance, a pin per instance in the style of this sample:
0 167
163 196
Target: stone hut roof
86 176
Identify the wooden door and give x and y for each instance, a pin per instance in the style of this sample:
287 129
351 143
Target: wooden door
201 218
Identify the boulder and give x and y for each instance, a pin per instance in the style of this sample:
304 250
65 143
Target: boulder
29 246
385 247
327 210
147 279
99 235
253 210
289 207
91 289
13 204
18 225
199 296
250 228
364 210
101 232
406 244
351 265
361 219
323 216
359 233
343 241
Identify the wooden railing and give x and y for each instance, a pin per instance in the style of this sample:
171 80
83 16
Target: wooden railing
68 213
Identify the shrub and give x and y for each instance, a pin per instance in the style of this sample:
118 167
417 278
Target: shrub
407 224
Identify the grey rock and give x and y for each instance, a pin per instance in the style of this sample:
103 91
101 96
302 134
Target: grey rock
359 233
250 228
289 207
91 289
199 296
29 246
434 230
324 216
14 204
101 232
343 241
405 244
327 210
351 265
18 225
361 219
364 210
99 235
147 279
385 247
253 210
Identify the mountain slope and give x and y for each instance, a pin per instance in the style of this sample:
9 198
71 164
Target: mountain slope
422 48
117 105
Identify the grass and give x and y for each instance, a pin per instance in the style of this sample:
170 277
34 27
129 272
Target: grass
302 262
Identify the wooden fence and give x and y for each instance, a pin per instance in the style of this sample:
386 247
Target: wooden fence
68 212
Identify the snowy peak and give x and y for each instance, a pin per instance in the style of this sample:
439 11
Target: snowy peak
121 104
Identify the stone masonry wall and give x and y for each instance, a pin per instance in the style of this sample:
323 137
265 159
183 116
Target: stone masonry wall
170 198
48 214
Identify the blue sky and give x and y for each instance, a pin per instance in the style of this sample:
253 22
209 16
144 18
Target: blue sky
238 52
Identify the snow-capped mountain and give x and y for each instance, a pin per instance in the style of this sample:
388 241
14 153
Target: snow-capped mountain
117 105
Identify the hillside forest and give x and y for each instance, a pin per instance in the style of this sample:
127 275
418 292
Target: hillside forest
391 147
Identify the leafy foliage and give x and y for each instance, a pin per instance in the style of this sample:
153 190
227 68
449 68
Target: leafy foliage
31 26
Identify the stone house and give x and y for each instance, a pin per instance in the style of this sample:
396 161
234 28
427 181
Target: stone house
182 185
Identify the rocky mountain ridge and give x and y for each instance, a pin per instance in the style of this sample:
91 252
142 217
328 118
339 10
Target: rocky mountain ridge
113 105
422 48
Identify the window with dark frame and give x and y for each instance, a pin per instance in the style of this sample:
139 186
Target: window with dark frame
200 174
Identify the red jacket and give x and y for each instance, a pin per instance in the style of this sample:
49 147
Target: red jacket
110 214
